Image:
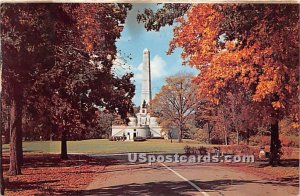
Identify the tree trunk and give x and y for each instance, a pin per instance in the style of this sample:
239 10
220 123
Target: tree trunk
1 121
209 133
1 168
5 110
248 136
170 136
14 165
225 136
237 137
64 152
19 110
275 145
180 134
7 128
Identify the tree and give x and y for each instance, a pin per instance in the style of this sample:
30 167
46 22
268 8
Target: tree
19 23
103 127
254 46
165 15
176 102
206 114
84 81
1 127
69 55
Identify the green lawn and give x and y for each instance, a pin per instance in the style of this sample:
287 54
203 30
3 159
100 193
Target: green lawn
105 146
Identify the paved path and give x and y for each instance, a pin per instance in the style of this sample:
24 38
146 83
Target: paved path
159 179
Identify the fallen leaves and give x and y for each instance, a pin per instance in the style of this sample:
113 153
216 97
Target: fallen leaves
45 174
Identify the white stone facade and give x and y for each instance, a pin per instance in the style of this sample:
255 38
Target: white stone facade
146 78
143 125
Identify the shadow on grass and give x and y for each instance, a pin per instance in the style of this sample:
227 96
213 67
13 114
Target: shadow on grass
50 160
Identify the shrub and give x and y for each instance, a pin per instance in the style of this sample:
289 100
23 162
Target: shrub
287 141
201 150
239 150
116 138
287 152
139 139
201 135
259 140
187 150
290 141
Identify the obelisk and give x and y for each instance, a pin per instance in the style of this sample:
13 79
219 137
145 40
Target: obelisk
146 78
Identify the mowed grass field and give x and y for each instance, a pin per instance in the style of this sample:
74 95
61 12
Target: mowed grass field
105 146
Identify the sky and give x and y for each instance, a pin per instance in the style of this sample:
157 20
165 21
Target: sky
134 39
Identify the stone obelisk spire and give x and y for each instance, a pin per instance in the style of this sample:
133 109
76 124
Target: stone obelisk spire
146 79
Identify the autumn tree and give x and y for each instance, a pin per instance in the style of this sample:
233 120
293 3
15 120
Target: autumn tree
1 127
254 46
103 127
206 115
19 23
67 73
176 102
83 70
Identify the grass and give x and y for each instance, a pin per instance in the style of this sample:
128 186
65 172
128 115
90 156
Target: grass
104 146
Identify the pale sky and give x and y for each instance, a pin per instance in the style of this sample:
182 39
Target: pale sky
134 39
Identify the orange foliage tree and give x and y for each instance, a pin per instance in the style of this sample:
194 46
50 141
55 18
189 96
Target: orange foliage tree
253 46
176 103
